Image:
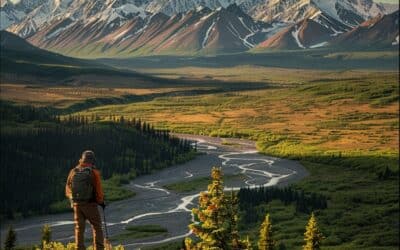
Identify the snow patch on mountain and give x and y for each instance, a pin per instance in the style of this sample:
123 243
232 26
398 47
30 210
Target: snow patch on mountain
318 45
328 7
396 41
206 36
59 30
234 32
295 35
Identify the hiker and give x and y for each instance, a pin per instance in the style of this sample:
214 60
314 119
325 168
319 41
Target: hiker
84 190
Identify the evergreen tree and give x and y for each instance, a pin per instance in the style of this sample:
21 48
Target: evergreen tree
11 238
312 236
50 148
212 217
46 234
265 242
216 219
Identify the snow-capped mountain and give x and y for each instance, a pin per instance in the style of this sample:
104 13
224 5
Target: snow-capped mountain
304 34
200 30
93 27
11 13
381 31
341 13
378 32
108 12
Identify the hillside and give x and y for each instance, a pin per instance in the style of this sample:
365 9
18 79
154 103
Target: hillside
21 62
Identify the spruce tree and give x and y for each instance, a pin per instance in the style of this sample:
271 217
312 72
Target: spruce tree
11 238
265 242
312 236
212 216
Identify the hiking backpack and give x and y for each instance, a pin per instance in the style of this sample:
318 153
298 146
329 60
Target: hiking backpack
82 184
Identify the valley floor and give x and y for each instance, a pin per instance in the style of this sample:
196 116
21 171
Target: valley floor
343 125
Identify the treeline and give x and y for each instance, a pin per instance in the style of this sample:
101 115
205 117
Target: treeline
38 149
250 198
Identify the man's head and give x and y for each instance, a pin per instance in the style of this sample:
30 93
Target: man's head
88 157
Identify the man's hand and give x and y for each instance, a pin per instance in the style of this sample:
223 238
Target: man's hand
103 205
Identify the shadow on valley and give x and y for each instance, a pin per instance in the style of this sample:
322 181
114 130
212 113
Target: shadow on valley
322 59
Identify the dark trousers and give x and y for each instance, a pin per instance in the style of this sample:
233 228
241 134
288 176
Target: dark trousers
90 212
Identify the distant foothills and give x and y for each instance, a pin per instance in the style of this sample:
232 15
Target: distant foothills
126 28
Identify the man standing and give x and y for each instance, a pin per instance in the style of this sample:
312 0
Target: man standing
84 190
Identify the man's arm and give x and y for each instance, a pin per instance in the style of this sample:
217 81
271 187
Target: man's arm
68 191
97 187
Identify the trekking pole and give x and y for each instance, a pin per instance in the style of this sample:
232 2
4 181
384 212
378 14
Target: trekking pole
105 223
107 243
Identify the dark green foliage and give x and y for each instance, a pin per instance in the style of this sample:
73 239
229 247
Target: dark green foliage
35 160
386 174
281 246
11 238
250 198
23 114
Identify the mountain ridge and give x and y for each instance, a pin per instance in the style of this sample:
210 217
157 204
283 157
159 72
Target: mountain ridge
88 28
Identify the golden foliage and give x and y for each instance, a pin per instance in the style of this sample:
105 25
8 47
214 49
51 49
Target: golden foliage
216 219
69 246
265 241
312 236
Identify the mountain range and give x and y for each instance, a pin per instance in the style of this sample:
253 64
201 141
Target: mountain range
90 28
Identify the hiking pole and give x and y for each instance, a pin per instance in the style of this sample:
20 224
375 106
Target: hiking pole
105 223
107 243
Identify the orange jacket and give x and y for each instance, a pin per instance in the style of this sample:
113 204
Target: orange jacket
98 190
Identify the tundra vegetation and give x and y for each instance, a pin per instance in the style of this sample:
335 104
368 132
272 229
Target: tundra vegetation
344 131
343 126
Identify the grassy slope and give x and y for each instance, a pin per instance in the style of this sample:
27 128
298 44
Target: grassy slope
198 184
346 115
345 132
